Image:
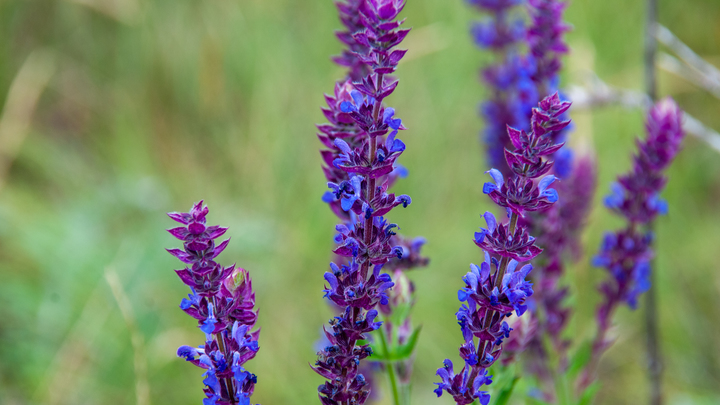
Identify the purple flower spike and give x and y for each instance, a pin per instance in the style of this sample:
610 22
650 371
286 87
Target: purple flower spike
360 164
558 232
223 303
513 91
517 81
545 38
499 287
626 253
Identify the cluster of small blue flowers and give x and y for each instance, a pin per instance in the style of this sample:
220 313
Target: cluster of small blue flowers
627 253
360 167
222 300
497 287
512 91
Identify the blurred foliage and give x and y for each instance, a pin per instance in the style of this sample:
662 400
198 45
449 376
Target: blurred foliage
153 105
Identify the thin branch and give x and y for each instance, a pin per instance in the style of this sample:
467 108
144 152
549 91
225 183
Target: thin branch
20 104
142 388
60 383
597 93
667 38
654 354
124 11
676 67
651 18
693 126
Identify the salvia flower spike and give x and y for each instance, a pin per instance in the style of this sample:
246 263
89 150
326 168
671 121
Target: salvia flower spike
360 165
512 91
545 38
223 303
556 226
498 287
626 254
558 232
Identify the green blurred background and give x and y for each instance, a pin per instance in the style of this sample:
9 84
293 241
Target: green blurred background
117 111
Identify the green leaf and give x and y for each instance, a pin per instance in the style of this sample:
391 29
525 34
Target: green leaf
405 350
587 397
506 392
400 313
537 401
580 359
378 353
398 352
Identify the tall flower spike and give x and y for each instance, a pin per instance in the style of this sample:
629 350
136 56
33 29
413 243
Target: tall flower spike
512 91
555 225
498 287
223 303
558 232
360 165
626 254
546 42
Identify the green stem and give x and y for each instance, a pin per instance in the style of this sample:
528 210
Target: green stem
390 366
405 393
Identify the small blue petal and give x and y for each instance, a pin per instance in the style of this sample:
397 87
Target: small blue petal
185 303
208 326
357 97
328 197
551 195
491 222
343 146
397 146
489 188
347 203
497 177
347 107
462 295
545 182
600 261
388 113
401 171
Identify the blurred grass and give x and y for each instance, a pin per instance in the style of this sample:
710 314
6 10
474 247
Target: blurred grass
155 105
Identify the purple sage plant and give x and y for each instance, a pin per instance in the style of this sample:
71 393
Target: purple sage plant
361 166
498 287
627 253
223 303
